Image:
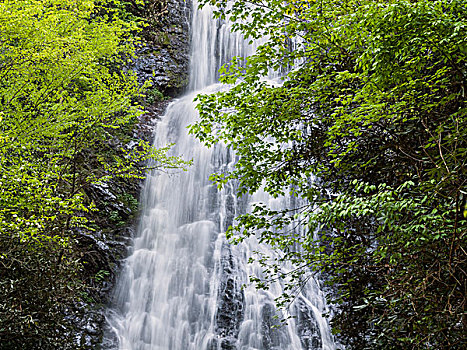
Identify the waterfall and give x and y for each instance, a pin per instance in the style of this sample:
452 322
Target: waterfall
181 285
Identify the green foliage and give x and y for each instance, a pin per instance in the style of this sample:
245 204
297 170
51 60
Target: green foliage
153 96
374 107
101 275
130 201
150 15
65 108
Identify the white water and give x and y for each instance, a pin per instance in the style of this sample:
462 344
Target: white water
180 287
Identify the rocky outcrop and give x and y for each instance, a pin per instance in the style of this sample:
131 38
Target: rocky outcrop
163 59
103 247
308 328
230 311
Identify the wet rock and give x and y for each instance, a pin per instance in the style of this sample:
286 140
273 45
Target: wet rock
308 328
147 122
91 329
230 312
163 59
270 328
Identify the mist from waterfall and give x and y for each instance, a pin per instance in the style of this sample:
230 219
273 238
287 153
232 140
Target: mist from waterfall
181 285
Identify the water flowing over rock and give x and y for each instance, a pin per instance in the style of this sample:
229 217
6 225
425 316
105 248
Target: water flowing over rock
183 287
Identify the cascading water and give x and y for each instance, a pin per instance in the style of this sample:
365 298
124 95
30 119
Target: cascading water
181 286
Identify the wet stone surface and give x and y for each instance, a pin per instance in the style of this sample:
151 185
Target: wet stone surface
308 329
163 59
230 311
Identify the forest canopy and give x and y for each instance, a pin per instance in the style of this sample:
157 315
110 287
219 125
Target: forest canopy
369 126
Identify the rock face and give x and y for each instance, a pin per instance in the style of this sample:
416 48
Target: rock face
163 62
308 329
102 249
230 309
163 59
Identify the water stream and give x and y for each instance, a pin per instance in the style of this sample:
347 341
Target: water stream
181 285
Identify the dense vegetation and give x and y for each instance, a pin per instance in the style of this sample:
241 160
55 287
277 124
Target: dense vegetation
67 109
374 109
